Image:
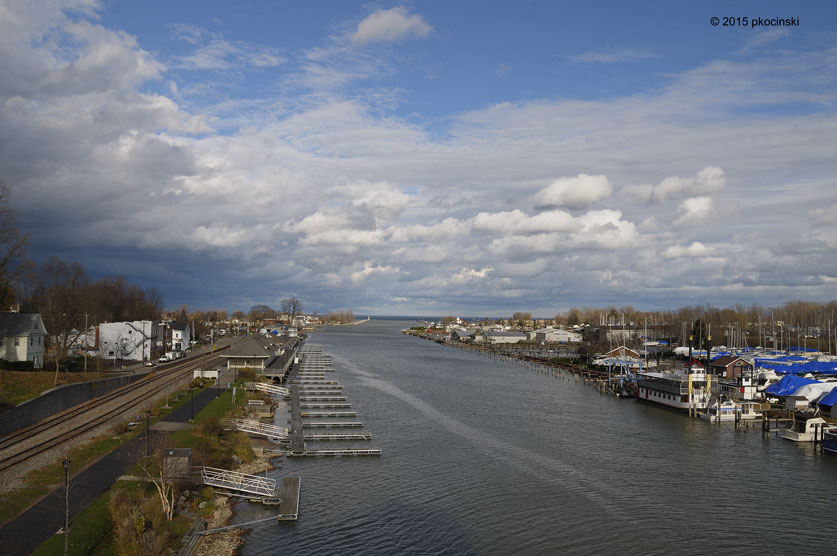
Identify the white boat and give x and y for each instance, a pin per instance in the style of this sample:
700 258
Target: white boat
675 389
803 429
747 411
752 410
723 412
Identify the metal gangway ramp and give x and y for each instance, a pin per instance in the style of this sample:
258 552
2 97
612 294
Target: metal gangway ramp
257 427
232 480
271 389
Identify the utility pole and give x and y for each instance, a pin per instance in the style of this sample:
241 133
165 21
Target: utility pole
66 463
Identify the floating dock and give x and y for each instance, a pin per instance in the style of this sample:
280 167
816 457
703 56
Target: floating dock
309 390
335 453
332 425
289 494
336 436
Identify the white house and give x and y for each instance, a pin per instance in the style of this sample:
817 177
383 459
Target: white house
22 338
132 340
181 336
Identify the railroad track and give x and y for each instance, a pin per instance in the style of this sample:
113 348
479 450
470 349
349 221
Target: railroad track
29 442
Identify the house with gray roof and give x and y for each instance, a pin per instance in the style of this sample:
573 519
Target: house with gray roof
504 337
252 351
22 338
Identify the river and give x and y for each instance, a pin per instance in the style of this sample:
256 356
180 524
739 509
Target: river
486 457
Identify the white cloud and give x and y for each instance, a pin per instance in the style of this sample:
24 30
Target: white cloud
577 192
693 211
369 268
696 249
390 25
614 54
708 181
516 221
763 38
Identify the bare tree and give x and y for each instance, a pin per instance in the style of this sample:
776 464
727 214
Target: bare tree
261 312
12 247
164 472
62 295
292 307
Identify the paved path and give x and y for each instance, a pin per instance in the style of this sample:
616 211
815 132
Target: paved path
34 526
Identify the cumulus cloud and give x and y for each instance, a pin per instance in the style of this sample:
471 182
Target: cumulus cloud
696 249
516 221
390 25
693 211
708 181
369 268
577 192
605 229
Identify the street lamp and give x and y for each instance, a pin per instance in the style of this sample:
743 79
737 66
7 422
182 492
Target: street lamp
147 428
192 391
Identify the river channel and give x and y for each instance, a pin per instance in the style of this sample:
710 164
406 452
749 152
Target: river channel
485 457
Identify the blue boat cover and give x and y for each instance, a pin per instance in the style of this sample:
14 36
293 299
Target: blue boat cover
788 385
815 367
829 400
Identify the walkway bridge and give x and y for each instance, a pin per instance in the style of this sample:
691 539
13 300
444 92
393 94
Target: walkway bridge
232 480
272 389
253 426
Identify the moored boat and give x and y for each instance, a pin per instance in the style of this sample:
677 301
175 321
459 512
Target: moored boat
747 411
829 439
675 389
804 428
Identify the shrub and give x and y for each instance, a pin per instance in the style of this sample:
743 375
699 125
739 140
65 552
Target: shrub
139 524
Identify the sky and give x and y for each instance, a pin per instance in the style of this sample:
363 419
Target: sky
427 158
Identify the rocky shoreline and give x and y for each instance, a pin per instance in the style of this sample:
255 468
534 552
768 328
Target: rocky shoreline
227 543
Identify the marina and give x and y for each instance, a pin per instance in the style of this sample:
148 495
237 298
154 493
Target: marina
471 408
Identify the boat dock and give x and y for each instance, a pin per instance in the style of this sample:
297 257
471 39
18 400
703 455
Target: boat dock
335 453
315 414
309 390
289 495
332 425
336 436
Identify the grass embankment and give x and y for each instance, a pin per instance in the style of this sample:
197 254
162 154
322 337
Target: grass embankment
98 531
18 386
